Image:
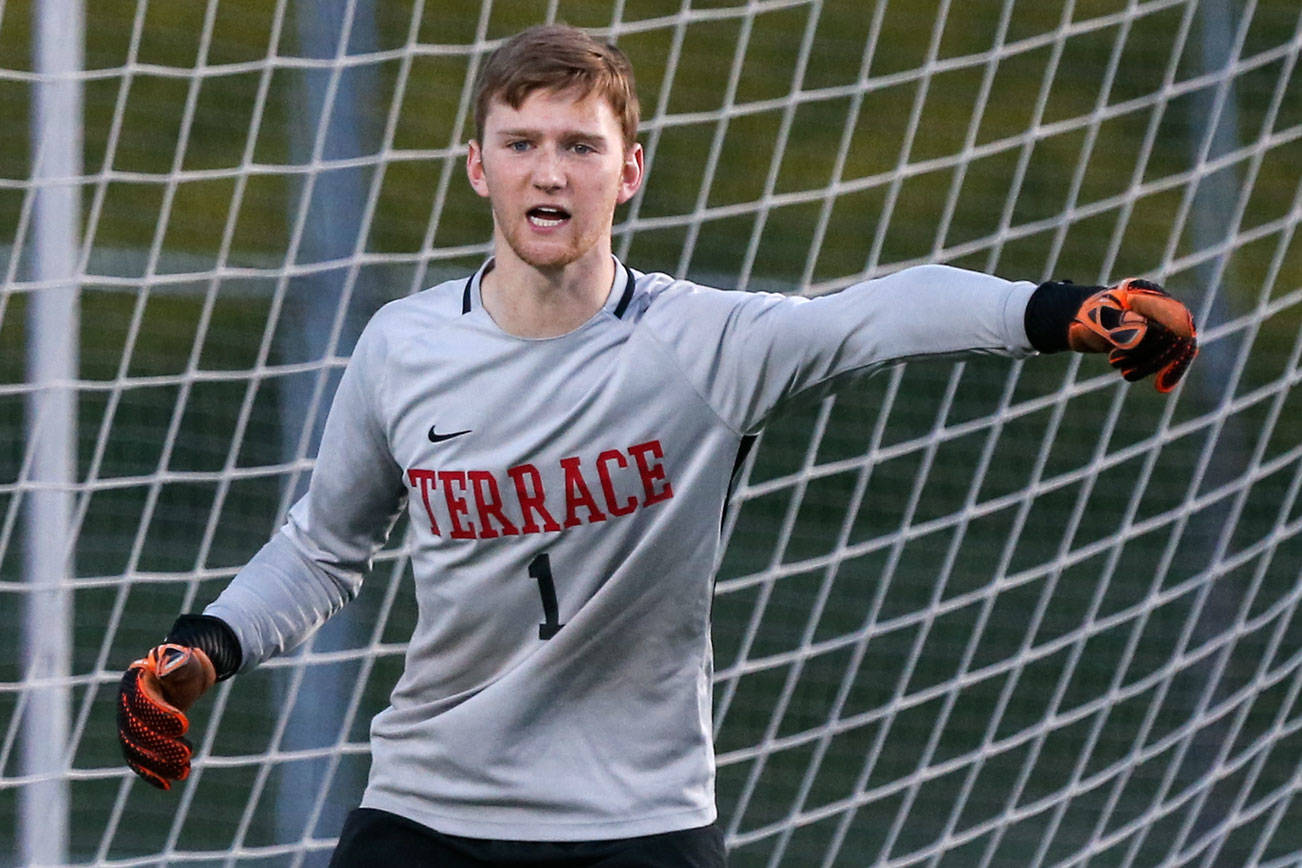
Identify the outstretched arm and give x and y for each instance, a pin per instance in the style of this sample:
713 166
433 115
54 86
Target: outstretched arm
749 353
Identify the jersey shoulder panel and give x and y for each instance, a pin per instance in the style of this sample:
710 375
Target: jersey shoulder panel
674 306
417 316
438 305
396 323
709 333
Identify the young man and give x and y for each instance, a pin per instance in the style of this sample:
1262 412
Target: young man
561 430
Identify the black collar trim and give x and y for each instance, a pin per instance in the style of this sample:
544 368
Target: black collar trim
628 292
620 308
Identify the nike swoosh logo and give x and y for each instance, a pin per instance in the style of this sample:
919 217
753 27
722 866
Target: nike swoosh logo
435 437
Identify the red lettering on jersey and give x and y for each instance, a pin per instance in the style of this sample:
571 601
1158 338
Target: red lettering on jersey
651 473
578 495
457 505
424 479
531 501
607 487
495 511
488 502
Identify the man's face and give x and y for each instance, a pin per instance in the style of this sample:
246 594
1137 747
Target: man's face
553 170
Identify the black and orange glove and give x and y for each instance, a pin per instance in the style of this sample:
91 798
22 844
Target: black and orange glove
156 692
1142 329
159 688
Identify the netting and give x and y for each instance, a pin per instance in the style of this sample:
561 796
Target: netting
980 613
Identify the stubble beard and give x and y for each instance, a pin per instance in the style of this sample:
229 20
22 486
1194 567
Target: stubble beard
548 256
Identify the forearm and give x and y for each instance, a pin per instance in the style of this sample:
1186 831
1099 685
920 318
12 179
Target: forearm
315 564
929 310
748 353
279 599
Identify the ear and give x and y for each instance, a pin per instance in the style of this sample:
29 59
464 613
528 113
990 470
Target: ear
475 168
632 173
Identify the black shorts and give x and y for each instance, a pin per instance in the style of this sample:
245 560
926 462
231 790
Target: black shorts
371 837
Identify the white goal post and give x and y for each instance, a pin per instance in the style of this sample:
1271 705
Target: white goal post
979 613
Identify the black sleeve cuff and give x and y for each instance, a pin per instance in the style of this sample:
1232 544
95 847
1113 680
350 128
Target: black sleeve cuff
214 636
1050 311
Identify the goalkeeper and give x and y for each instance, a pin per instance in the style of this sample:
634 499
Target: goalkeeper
561 430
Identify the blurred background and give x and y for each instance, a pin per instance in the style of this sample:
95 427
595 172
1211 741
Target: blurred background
986 612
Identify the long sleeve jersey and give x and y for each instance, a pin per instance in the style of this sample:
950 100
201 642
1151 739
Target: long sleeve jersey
564 496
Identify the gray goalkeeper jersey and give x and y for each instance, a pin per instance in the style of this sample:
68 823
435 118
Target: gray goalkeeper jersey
565 497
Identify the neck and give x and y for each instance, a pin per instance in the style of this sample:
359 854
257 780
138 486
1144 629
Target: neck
531 302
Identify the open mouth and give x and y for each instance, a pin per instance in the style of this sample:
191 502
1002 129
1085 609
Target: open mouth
547 217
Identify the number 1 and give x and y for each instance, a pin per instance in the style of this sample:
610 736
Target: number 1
540 568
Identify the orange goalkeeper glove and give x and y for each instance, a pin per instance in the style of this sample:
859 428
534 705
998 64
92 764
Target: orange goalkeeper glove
1142 329
156 692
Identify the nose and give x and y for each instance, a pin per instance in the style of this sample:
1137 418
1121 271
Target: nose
548 173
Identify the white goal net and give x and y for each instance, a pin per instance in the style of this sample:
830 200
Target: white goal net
970 614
